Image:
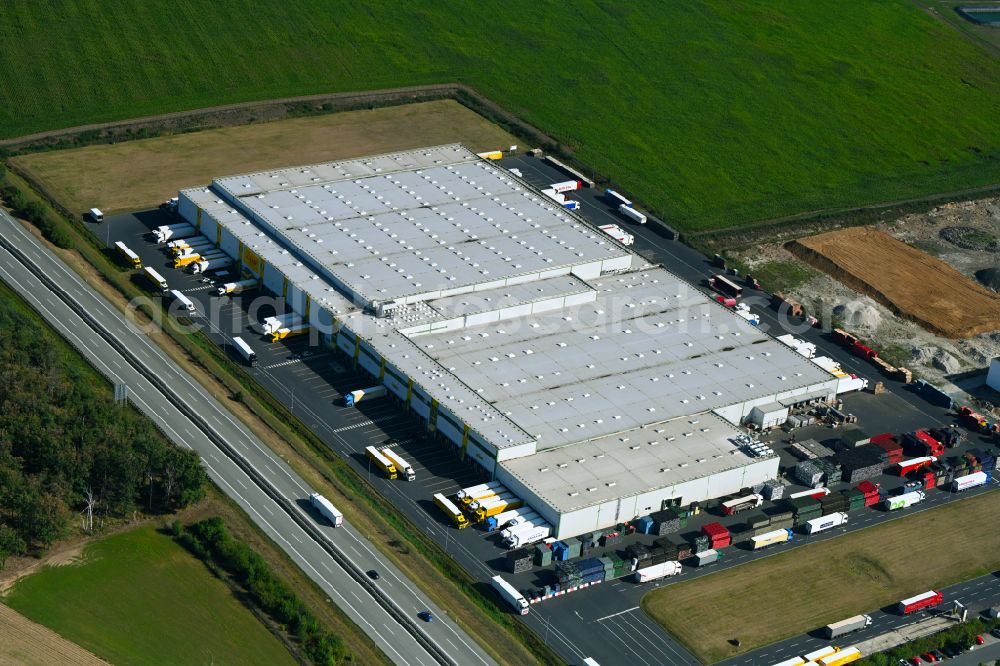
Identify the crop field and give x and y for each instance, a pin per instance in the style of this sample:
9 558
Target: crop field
26 643
135 174
713 113
869 569
138 597
905 279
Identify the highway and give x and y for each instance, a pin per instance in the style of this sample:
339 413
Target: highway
270 492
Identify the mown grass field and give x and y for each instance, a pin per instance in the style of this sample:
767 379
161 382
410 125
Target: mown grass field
713 113
134 174
139 598
776 597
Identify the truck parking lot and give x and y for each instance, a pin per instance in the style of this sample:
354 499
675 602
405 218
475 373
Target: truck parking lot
312 380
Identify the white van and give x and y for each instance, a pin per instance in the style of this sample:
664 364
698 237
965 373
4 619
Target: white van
96 215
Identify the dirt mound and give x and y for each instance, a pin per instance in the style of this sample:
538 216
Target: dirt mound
908 281
990 278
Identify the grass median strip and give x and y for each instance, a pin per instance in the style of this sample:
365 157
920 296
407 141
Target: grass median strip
795 592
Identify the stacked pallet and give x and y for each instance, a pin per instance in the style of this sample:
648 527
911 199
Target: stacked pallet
611 538
864 462
773 490
804 509
888 443
718 535
543 555
833 503
871 492
519 560
855 499
665 522
808 474
831 470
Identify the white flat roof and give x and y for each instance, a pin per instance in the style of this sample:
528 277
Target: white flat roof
630 463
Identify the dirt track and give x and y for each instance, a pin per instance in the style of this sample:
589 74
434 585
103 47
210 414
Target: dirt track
908 281
24 643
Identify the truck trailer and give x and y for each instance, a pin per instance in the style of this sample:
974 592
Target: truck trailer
706 557
290 332
211 264
131 257
838 629
771 538
657 571
507 592
745 503
816 655
925 600
493 506
619 234
327 509
248 354
403 467
969 481
483 490
724 285
272 324
826 522
155 278
631 214
528 535
354 397
615 199
904 501
236 287
174 232
381 462
845 656
449 509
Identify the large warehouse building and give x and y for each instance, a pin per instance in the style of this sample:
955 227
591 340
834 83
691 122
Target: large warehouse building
595 385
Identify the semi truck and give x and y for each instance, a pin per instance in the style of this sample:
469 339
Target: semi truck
155 278
771 538
855 623
616 199
537 521
483 490
826 522
403 467
526 516
631 214
290 332
816 655
845 656
619 234
815 493
131 257
174 231
527 535
502 520
249 355
657 571
449 509
184 301
913 464
706 557
724 285
189 246
381 462
925 600
354 397
510 595
211 264
185 260
969 481
566 186
327 509
492 506
745 503
904 501
235 287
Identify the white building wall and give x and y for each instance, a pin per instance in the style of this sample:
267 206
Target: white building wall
737 414
528 496
186 208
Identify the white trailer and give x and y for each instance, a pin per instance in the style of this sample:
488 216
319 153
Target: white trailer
487 502
616 199
527 515
354 397
510 595
743 310
969 481
851 383
236 287
826 522
183 300
657 571
211 264
904 501
249 355
838 629
178 231
525 536
287 320
96 215
619 234
477 491
566 186
502 520
327 509
403 467
632 214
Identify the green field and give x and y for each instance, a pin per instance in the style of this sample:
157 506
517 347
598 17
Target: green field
139 598
712 112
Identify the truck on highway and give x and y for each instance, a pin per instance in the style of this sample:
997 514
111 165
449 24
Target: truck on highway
826 522
771 538
925 600
449 509
744 503
370 393
381 462
230 288
249 355
482 491
131 257
855 623
904 501
970 481
657 571
155 279
527 535
845 656
403 467
327 509
510 595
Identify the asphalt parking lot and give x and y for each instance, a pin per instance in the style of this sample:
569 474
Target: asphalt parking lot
310 378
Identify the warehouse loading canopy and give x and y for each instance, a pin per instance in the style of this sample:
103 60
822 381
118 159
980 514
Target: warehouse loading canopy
812 398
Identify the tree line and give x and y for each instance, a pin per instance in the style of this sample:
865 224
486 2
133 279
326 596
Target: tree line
70 456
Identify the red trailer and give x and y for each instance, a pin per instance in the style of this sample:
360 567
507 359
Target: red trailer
726 286
925 600
913 464
888 443
728 301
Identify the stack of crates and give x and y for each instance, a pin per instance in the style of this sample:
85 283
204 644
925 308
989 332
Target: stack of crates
783 519
987 459
804 509
870 491
637 553
609 567
591 570
560 551
773 490
830 469
543 555
644 525
611 538
888 443
684 549
808 474
622 566
739 533
701 543
864 462
833 503
950 436
855 499
519 560
717 534
665 522
758 524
